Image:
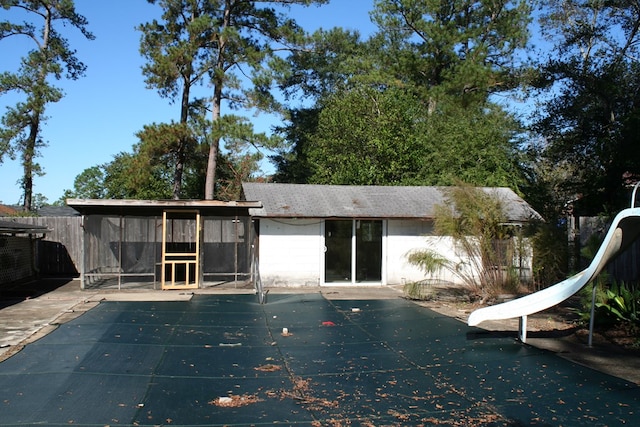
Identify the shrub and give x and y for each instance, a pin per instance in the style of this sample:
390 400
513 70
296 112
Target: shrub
614 302
477 222
550 256
422 291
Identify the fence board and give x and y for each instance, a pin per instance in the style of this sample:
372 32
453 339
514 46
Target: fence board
625 266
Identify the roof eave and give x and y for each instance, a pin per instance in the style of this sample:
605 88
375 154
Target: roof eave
124 206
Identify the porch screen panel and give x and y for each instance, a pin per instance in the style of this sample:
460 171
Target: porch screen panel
226 248
121 249
101 248
141 247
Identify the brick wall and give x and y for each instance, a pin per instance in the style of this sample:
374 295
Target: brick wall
16 259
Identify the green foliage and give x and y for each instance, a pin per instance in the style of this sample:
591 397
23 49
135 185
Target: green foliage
620 304
589 122
421 291
21 214
428 261
122 178
470 210
383 128
549 242
233 172
475 220
129 176
590 247
412 101
461 49
478 146
334 61
88 185
614 303
399 142
179 58
150 176
51 58
236 46
173 145
292 163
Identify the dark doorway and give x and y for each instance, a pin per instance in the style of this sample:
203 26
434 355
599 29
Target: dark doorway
368 251
337 256
346 238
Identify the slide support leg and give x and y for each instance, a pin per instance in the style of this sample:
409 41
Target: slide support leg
522 329
593 314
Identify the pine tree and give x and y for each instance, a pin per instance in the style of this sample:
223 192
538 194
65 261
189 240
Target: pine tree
50 59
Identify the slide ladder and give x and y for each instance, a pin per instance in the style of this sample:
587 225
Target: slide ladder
624 230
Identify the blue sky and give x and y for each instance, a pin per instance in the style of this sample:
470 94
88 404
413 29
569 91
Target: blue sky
101 112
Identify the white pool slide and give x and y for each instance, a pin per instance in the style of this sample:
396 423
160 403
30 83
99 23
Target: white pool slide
624 229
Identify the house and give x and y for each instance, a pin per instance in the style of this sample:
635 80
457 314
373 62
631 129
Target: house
311 235
19 251
8 210
58 250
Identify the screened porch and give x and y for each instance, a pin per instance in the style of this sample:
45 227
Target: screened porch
165 244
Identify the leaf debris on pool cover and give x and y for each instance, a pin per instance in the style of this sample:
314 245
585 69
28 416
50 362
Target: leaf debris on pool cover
268 368
235 401
392 364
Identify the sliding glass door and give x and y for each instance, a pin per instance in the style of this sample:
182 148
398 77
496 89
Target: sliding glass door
368 251
337 254
353 251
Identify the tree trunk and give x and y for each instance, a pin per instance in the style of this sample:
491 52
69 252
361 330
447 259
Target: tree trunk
27 177
212 163
36 113
28 156
180 154
177 174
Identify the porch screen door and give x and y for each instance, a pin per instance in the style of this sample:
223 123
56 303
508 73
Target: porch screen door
180 249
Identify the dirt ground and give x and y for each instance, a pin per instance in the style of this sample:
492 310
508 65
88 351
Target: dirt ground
614 350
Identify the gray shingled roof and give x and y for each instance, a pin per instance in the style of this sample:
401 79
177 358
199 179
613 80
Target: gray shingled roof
346 201
56 211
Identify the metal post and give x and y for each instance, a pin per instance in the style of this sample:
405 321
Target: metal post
83 253
593 313
522 329
235 251
120 238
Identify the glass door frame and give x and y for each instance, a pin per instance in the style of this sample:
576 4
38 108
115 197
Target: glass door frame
353 252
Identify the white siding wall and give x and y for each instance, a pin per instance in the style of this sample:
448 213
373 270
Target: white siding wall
290 252
404 236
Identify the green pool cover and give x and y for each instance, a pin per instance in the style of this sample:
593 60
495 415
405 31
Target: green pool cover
227 360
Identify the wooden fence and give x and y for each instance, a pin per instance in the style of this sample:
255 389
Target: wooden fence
625 267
